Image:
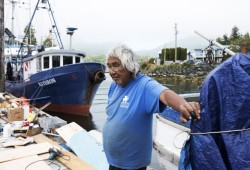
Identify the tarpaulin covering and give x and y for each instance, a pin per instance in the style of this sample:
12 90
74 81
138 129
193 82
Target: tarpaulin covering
225 108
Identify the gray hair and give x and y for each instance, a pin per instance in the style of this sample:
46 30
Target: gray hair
127 58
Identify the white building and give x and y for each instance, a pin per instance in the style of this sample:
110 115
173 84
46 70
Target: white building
209 54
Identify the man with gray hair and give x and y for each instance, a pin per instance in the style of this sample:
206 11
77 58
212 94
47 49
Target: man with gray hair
133 98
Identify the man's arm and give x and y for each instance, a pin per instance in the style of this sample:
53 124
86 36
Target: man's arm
170 98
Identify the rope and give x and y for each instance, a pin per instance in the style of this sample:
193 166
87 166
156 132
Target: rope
225 131
39 88
205 133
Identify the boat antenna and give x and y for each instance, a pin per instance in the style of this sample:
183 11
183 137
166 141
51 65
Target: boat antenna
55 28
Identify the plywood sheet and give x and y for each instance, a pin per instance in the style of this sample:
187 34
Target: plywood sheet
22 163
17 142
74 163
67 131
29 150
89 149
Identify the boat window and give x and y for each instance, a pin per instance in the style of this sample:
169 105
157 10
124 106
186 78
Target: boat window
46 62
67 60
55 61
78 59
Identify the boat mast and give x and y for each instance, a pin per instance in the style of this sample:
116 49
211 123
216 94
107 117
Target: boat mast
13 4
28 29
213 42
2 77
12 18
54 27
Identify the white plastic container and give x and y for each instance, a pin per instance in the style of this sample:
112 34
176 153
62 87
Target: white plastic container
26 110
7 131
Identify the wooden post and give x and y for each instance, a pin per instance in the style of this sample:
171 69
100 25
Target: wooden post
244 48
2 77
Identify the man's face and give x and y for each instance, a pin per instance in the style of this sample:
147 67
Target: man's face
119 74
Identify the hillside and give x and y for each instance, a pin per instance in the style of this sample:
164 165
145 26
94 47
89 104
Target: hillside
102 48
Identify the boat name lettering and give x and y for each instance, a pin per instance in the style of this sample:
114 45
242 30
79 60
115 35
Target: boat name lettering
47 82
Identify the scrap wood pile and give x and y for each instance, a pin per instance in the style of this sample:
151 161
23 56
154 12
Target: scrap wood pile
23 144
24 119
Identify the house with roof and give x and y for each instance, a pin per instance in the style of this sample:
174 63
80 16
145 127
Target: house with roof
210 54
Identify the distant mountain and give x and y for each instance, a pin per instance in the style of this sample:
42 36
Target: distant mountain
102 48
95 48
190 43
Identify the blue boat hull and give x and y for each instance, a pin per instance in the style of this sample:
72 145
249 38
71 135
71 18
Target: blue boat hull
70 88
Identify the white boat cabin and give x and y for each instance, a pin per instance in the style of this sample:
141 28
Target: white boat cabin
50 59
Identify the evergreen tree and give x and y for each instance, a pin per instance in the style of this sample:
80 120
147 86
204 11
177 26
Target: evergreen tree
235 35
30 39
48 42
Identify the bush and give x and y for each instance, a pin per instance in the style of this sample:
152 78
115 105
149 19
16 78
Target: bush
144 65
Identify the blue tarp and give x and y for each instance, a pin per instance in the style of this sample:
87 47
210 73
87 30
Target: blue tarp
225 106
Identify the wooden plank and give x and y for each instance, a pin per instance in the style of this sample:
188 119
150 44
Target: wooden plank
22 163
89 149
67 131
56 163
17 142
73 163
29 150
97 135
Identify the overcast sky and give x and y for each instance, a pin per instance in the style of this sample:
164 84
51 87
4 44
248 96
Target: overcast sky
141 24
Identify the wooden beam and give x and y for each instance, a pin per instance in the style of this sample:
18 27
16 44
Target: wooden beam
73 163
11 154
32 162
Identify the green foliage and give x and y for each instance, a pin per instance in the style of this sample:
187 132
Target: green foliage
173 66
151 61
95 58
31 39
235 35
186 64
154 67
144 65
48 42
235 40
168 54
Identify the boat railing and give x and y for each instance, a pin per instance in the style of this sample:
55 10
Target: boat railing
190 95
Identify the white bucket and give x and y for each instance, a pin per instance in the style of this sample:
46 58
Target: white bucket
26 110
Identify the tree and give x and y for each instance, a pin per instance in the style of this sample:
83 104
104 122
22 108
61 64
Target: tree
236 40
30 39
48 42
224 40
235 35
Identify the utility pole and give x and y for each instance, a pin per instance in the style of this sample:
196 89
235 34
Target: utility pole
176 32
2 77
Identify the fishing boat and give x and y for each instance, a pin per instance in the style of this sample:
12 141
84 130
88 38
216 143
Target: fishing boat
58 76
220 140
171 135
